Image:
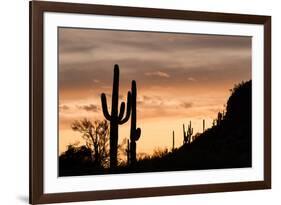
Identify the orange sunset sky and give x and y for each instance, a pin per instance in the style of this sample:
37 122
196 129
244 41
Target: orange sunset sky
180 77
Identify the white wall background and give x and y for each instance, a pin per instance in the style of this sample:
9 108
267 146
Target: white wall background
14 100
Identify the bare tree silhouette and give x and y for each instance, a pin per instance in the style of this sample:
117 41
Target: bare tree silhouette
96 136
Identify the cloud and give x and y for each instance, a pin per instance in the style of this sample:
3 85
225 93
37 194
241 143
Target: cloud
151 101
140 102
191 79
146 97
88 56
186 105
96 81
89 108
63 107
158 74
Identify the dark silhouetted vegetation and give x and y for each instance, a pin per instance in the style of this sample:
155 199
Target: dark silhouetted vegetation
227 144
78 161
93 156
96 138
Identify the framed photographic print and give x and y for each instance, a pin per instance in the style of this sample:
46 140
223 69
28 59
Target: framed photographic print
136 102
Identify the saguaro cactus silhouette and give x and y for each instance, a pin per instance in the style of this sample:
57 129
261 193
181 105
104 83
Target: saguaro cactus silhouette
115 118
135 133
185 138
187 134
220 116
203 125
173 147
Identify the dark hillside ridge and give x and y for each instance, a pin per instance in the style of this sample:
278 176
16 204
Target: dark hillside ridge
227 144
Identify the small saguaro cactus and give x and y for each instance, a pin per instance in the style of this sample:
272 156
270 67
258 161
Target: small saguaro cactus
220 117
115 118
203 125
173 147
135 132
187 134
185 139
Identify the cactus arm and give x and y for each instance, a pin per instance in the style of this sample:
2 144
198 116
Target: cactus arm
104 107
137 134
122 110
128 111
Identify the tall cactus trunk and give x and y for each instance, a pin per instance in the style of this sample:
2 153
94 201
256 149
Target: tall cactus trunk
115 118
189 132
134 132
203 125
133 153
113 144
173 147
184 135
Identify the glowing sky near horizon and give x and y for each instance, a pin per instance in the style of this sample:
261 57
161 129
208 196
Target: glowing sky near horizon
180 77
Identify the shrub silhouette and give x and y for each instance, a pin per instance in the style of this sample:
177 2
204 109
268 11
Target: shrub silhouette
96 136
128 152
75 158
159 152
116 118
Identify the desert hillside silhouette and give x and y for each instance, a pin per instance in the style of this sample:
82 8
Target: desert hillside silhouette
227 144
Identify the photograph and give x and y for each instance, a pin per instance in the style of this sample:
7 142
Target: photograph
129 102
145 101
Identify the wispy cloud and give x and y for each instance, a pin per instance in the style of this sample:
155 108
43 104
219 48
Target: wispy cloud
96 81
89 108
151 101
186 104
191 79
158 74
63 107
